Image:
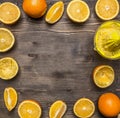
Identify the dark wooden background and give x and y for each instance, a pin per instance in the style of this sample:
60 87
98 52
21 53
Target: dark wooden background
56 61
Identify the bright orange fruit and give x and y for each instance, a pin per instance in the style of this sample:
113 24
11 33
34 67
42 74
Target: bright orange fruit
109 104
34 8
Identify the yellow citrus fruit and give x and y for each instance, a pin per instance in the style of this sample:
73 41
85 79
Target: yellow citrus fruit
107 40
57 109
10 98
29 109
103 76
9 13
107 9
7 39
55 12
8 68
78 11
84 108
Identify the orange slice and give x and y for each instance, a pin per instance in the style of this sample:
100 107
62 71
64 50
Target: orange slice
103 76
107 9
29 109
57 109
8 68
9 13
10 98
7 40
84 108
78 11
55 12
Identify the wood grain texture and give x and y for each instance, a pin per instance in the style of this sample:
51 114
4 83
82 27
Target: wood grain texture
56 61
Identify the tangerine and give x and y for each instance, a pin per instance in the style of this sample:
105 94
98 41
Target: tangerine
34 8
109 104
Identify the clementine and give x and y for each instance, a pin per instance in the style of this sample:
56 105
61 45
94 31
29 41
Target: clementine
34 8
109 104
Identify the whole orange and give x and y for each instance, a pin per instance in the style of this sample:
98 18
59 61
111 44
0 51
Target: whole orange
109 104
34 8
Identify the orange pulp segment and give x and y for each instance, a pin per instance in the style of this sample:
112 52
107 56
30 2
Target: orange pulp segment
55 12
57 109
10 98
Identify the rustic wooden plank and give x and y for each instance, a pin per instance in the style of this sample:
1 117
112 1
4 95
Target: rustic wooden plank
56 61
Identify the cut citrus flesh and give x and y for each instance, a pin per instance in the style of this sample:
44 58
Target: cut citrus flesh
7 40
57 109
107 9
103 76
107 40
8 68
9 13
29 109
84 108
78 11
55 12
10 98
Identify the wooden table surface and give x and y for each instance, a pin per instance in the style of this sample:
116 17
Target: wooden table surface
56 61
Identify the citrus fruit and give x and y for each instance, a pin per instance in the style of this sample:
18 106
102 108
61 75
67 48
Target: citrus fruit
9 13
29 109
57 109
7 39
107 40
78 11
107 9
10 98
8 68
109 104
34 8
103 76
55 12
84 108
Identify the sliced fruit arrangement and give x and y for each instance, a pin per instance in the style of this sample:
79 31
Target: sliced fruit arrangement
109 105
107 40
10 98
34 8
55 12
103 76
8 68
57 109
107 9
9 13
78 11
7 39
84 108
29 109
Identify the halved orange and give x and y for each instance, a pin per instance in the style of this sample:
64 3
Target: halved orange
10 98
107 9
7 39
9 13
103 76
29 109
84 108
8 68
78 11
57 109
55 12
